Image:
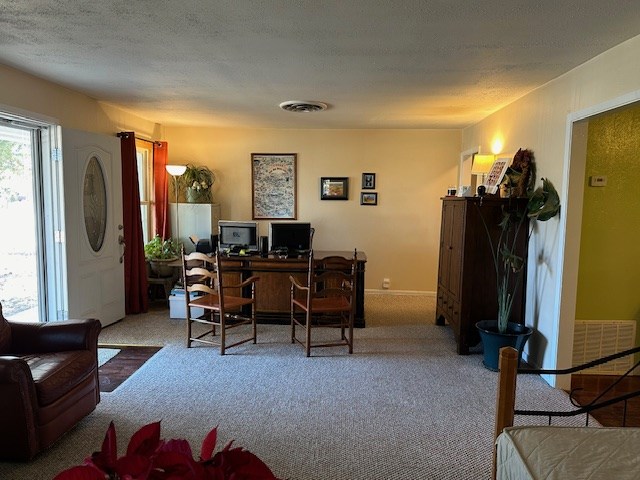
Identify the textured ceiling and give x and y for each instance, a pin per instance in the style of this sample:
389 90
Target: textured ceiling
377 64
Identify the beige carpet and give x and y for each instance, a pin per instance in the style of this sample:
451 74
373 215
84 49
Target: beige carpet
404 406
157 329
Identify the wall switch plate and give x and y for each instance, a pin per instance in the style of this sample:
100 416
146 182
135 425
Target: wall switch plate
598 181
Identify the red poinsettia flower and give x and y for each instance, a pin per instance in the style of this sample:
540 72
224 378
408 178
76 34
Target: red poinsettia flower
150 458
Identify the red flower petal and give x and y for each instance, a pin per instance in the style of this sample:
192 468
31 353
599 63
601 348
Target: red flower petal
209 444
106 458
242 464
133 466
145 441
174 465
178 446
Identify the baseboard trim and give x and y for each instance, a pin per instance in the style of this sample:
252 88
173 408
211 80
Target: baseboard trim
416 293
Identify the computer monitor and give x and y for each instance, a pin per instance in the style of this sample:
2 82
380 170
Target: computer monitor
290 236
238 235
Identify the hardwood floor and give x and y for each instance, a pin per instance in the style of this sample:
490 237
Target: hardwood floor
591 385
123 365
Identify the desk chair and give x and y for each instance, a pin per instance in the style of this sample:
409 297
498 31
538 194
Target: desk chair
215 285
327 301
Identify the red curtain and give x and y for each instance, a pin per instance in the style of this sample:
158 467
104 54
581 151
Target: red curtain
135 269
160 184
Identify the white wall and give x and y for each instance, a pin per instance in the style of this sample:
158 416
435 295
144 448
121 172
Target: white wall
541 121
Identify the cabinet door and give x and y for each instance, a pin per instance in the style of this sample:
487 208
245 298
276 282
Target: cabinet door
446 233
456 248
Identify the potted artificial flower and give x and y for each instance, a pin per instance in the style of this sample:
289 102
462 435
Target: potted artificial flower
159 253
197 181
509 267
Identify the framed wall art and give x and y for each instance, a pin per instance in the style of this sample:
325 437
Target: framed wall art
368 181
368 198
494 177
334 188
273 185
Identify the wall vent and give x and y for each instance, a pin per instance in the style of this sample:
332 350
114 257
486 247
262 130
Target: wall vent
593 339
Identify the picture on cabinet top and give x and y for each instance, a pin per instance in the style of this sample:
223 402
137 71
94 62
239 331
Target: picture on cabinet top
494 177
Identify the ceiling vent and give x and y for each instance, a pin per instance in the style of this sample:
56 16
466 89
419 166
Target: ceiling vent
299 106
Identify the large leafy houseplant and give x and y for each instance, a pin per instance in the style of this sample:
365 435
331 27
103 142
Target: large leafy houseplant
148 457
161 249
198 180
159 253
543 204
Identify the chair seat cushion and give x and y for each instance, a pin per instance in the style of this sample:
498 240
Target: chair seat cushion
330 304
56 373
212 301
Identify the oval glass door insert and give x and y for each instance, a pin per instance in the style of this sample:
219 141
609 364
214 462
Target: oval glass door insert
94 204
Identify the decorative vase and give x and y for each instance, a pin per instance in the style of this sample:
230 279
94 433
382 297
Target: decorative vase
198 196
492 340
161 267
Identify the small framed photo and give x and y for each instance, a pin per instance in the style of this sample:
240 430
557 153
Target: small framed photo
368 198
334 188
498 169
368 181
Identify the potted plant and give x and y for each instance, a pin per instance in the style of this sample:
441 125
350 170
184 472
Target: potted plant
197 181
150 457
543 204
159 253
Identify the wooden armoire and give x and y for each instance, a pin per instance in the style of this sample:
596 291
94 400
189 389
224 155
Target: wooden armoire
466 274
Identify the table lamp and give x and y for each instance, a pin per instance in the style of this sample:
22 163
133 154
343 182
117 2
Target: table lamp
482 165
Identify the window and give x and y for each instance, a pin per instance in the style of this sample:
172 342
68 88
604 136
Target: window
144 154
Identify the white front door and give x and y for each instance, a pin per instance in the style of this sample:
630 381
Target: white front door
93 226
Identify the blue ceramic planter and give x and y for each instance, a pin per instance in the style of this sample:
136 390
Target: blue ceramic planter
492 340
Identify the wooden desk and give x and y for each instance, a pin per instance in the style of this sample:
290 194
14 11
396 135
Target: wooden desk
273 304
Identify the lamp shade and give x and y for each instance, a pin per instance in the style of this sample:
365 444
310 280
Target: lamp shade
482 164
176 170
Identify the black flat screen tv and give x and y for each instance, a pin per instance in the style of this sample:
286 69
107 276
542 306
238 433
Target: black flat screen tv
238 235
290 236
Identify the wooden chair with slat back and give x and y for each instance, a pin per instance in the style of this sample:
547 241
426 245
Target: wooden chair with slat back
214 284
327 301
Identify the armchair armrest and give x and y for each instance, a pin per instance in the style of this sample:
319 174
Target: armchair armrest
54 336
297 285
248 281
17 401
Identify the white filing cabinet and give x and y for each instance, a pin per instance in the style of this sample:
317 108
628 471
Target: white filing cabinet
195 219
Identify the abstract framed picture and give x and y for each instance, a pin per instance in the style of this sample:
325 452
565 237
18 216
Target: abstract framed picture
334 188
273 185
368 198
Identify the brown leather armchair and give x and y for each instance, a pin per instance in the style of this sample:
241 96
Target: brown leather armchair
48 382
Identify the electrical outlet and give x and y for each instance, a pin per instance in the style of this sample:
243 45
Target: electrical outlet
386 283
598 181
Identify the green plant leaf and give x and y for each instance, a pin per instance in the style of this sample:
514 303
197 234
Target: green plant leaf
161 249
544 202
